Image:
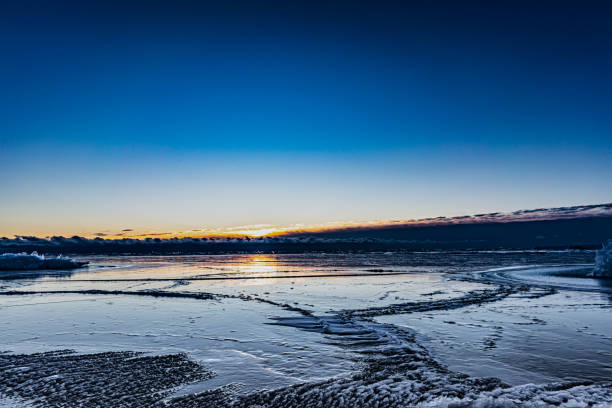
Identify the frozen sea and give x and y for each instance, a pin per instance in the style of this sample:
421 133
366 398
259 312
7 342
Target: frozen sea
493 328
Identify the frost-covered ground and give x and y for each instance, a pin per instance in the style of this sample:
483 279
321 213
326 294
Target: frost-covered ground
379 330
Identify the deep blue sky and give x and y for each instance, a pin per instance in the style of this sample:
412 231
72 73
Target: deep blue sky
176 116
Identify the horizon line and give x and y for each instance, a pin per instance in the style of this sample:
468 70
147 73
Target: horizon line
288 231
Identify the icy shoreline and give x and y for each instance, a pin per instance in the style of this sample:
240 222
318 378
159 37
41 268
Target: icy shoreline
396 372
391 365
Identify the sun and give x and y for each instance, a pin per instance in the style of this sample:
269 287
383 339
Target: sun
255 232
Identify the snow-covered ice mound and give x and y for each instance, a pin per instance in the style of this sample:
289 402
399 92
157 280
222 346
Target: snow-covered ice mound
603 261
23 261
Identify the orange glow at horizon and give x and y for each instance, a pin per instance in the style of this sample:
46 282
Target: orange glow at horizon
258 230
251 231
271 230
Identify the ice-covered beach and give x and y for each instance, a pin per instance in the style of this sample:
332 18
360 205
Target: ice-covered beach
389 329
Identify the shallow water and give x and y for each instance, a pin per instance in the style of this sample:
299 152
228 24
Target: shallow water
224 334
264 324
565 336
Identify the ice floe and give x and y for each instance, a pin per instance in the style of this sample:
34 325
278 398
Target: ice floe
24 261
603 261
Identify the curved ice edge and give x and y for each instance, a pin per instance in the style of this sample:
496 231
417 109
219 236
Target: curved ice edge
25 261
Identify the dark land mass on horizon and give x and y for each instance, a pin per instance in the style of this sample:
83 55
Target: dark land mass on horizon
577 233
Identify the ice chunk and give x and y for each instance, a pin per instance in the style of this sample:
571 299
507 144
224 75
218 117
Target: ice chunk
24 261
603 261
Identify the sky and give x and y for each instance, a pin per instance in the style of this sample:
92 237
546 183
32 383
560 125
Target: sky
180 116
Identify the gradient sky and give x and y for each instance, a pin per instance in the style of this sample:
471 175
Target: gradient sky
174 116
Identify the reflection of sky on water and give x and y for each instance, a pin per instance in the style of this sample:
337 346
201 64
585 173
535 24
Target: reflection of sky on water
566 336
35 274
224 335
